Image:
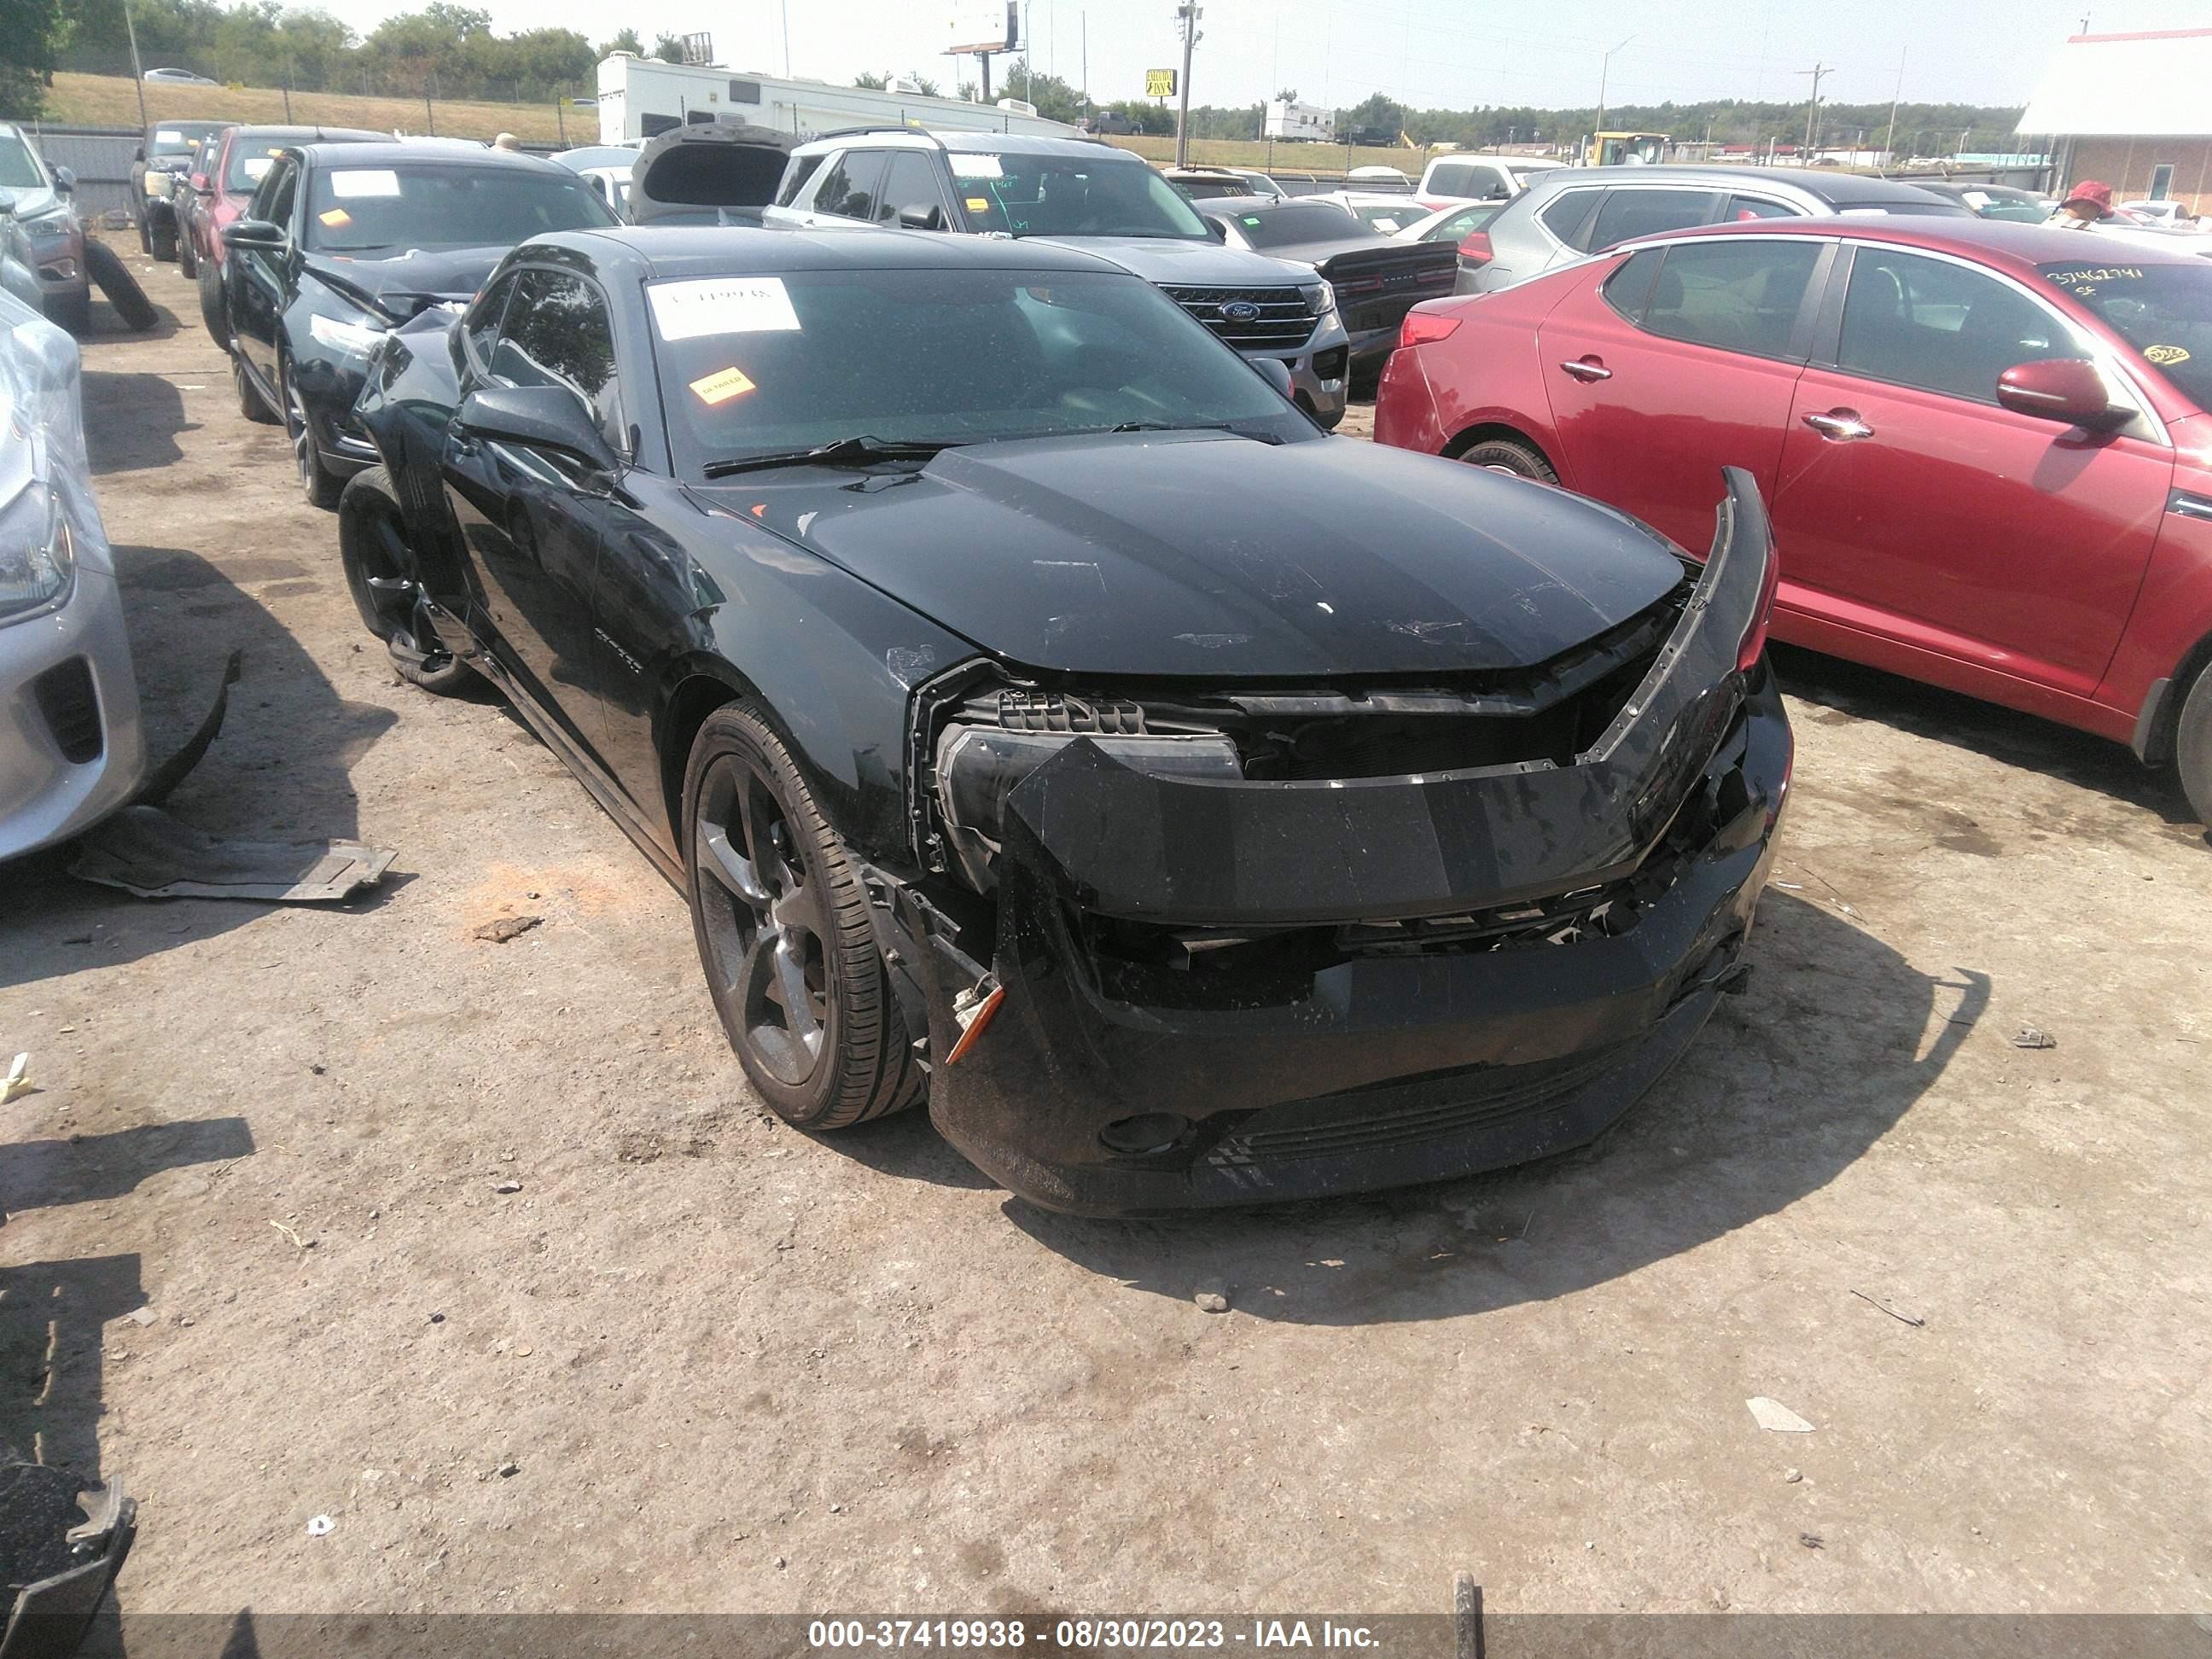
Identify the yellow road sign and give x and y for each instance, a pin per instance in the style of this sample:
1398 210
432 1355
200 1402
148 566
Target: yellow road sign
1159 83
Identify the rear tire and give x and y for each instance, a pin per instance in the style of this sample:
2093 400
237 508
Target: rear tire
2192 747
164 239
251 402
72 311
188 261
784 937
212 313
1508 455
382 571
106 267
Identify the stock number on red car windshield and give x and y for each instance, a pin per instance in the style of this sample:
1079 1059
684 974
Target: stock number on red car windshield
2083 279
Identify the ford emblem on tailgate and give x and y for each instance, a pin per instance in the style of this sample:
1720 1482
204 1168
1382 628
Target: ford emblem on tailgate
1240 311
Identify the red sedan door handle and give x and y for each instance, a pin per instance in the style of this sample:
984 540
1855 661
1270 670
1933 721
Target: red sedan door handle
1843 425
1587 369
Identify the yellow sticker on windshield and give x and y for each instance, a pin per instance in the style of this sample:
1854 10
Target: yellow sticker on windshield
721 386
2163 355
979 204
336 218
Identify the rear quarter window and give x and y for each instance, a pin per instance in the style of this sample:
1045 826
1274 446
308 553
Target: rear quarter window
1567 215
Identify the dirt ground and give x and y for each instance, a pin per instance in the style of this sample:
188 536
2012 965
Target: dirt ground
734 1368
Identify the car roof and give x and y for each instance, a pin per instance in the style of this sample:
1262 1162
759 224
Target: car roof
656 251
2002 242
976 143
443 151
254 132
1829 187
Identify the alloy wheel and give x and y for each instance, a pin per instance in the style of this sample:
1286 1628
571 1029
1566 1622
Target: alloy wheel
302 436
388 571
765 927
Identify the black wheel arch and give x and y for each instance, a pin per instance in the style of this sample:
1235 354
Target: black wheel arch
1487 432
2160 718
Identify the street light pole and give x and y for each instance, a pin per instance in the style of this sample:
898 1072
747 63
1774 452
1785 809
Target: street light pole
138 74
1604 67
1187 16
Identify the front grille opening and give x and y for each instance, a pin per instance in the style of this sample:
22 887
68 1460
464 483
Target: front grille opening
71 707
1277 318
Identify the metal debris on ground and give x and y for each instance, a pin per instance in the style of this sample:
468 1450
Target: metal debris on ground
143 850
1903 1318
2031 1037
508 928
1777 1418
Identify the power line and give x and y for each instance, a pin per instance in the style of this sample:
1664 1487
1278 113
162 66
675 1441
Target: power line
1818 72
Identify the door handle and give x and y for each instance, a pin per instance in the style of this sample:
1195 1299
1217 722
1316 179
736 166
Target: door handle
1843 425
1585 370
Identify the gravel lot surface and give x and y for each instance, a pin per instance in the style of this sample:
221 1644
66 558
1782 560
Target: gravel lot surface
699 1361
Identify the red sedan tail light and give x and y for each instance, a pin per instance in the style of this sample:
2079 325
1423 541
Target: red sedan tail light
1422 326
1474 249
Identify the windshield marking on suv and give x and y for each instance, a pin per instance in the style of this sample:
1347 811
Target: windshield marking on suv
347 183
966 166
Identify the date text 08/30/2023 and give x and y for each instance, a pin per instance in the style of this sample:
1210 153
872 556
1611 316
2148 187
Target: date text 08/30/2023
1092 1635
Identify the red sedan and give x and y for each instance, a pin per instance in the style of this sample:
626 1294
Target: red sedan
1985 446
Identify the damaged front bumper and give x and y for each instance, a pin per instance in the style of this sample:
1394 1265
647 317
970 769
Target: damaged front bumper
1202 992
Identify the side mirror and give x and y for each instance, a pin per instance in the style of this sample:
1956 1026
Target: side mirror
200 183
2068 389
1216 230
253 233
64 181
1275 373
138 155
922 217
540 417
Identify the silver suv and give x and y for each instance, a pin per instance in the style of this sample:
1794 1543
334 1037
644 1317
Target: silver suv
1570 211
1088 196
39 229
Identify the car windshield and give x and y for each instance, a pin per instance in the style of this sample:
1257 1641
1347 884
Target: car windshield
249 160
1021 195
373 210
171 140
2164 312
1302 221
1386 217
2020 209
19 168
752 366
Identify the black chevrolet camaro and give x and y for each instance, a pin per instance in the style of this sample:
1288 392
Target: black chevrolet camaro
342 241
1046 719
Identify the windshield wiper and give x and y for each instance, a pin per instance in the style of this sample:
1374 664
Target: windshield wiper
1195 426
860 450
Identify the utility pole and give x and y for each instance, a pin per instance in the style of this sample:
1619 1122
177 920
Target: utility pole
1604 67
1085 23
1819 72
1889 138
1187 16
138 74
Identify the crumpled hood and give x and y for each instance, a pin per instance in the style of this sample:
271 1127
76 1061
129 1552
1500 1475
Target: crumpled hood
408 282
1204 554
30 202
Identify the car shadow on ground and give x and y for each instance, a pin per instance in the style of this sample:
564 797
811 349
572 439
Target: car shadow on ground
281 770
1788 1085
131 422
1852 690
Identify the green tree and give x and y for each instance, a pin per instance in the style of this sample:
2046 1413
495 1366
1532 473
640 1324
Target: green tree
872 81
624 40
31 35
922 84
669 48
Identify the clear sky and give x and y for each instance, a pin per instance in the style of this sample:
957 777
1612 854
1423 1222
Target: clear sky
1428 53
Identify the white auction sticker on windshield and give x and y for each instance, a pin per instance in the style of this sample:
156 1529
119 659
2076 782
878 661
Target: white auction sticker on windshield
975 167
168 136
364 181
721 305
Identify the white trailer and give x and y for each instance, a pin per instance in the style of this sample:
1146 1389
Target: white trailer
643 97
1300 123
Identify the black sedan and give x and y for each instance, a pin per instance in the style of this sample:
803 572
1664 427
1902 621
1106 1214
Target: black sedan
1041 715
1378 278
343 242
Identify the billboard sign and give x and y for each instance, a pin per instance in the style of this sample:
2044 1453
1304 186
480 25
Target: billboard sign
985 26
1159 83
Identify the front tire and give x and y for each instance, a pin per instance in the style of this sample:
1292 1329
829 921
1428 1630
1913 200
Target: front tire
2192 747
1510 455
381 572
318 483
783 934
163 237
218 325
188 259
251 402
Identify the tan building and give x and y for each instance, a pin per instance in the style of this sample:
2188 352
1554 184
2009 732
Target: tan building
2133 110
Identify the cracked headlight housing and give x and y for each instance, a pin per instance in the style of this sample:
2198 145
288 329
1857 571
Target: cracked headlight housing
357 339
38 558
